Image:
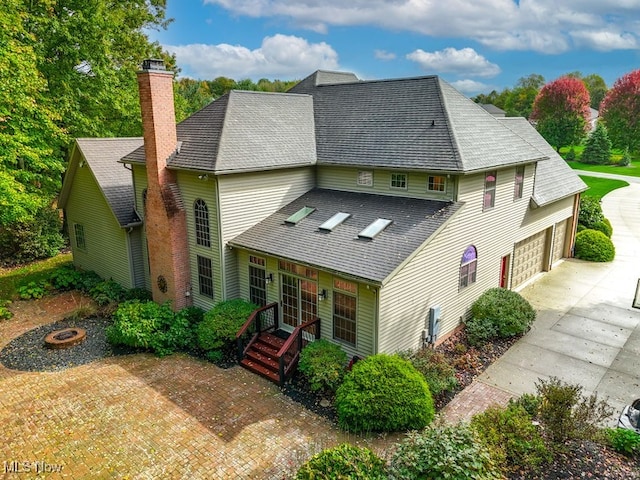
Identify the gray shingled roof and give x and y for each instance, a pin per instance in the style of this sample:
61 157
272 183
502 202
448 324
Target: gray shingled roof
554 178
414 221
413 123
245 131
114 179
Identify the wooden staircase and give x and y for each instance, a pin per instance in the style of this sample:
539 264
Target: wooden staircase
261 356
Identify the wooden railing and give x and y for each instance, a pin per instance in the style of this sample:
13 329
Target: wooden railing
290 352
261 320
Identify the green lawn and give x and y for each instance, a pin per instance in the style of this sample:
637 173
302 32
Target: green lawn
599 187
11 279
632 170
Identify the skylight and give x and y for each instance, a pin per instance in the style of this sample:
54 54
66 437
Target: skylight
299 215
334 221
375 228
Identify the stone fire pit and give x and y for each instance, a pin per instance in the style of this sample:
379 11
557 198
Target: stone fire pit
65 338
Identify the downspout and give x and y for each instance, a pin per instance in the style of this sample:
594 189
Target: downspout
574 225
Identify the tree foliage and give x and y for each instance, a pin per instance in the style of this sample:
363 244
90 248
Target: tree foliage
561 111
596 86
620 111
30 137
518 101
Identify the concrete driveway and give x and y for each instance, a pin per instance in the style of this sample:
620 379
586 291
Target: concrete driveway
586 331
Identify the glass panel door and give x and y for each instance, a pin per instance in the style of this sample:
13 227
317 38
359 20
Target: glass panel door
289 302
299 301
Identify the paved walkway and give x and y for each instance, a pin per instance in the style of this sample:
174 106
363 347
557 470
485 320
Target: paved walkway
586 331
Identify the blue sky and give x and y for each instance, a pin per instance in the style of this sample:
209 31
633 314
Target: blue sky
476 45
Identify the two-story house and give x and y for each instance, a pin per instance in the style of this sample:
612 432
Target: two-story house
385 207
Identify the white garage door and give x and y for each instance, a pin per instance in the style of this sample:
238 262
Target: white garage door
528 258
559 239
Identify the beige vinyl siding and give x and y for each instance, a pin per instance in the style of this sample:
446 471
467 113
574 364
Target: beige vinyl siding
193 188
140 185
248 198
345 179
366 304
431 277
106 250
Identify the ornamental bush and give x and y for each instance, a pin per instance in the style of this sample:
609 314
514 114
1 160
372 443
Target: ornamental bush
222 322
604 227
434 367
442 451
343 462
594 246
623 441
323 365
514 441
500 313
150 326
384 393
590 212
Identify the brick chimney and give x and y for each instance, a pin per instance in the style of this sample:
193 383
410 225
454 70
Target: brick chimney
165 216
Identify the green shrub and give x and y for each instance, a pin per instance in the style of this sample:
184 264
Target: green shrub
623 441
33 290
323 365
442 451
384 393
65 278
222 322
566 414
88 281
107 292
604 227
150 326
498 312
5 313
343 462
571 155
625 161
530 403
439 374
40 237
590 212
141 294
594 246
513 440
194 315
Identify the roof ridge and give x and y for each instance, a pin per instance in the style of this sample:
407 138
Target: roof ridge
452 135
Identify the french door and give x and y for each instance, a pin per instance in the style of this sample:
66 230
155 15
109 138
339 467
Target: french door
299 301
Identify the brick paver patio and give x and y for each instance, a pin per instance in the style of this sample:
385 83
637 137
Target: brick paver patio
143 417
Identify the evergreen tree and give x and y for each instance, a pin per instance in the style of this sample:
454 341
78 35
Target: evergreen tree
598 147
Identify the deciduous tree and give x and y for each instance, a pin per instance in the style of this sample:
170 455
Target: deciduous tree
561 111
620 111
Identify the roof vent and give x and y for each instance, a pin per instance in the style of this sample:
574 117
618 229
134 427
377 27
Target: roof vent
375 228
153 64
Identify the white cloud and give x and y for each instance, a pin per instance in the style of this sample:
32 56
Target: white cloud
465 61
545 26
471 87
604 40
279 56
384 55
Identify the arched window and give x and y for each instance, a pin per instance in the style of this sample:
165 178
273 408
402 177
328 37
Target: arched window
468 266
201 213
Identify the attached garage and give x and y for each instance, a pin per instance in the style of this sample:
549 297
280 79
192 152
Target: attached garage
529 258
559 240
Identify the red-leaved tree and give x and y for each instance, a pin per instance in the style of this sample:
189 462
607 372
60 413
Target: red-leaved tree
561 111
620 112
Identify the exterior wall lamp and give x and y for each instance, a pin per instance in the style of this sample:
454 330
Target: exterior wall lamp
322 295
268 279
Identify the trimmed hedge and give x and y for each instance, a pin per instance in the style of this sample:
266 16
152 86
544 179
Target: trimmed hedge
594 246
384 393
343 462
498 313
